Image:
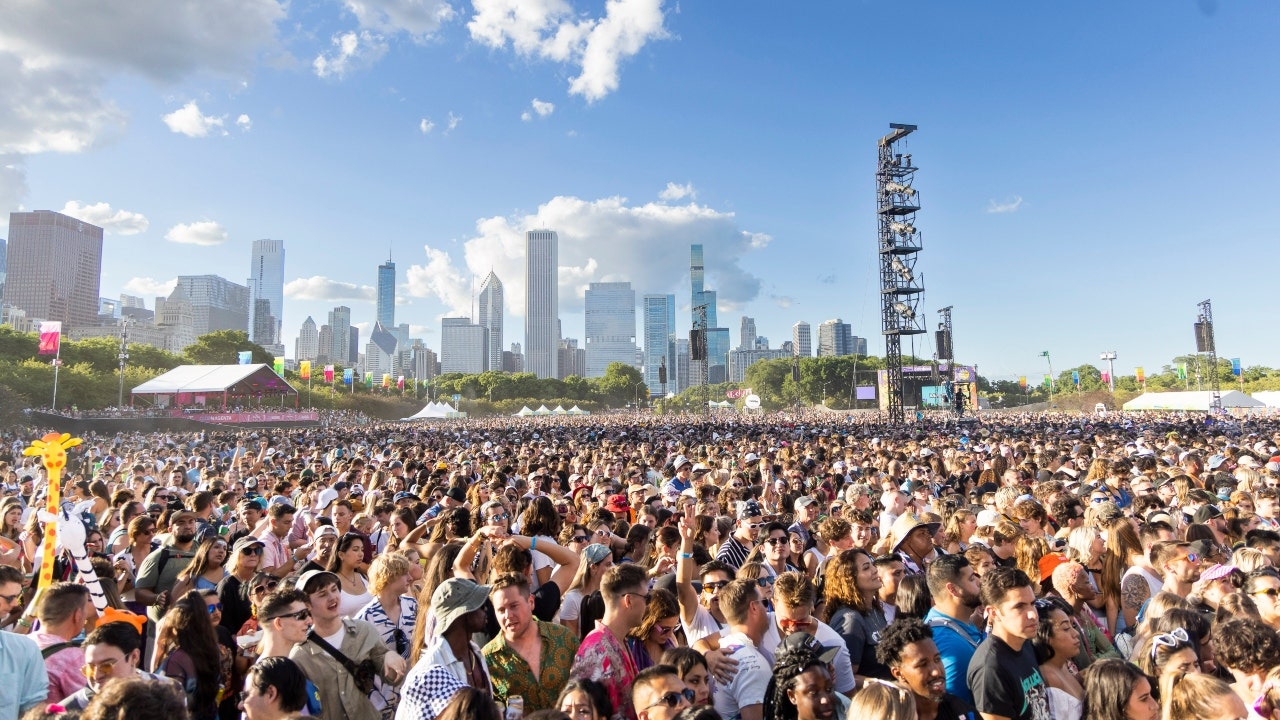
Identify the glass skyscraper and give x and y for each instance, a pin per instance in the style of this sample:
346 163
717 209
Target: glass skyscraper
542 303
386 313
266 294
610 326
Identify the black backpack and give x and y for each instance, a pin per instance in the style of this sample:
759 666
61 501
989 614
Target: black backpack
56 648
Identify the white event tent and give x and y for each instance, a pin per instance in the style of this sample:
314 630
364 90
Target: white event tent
1191 400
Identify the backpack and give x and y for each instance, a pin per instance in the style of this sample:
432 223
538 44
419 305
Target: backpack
56 648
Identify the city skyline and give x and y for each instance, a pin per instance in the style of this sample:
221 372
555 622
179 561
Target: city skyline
1063 168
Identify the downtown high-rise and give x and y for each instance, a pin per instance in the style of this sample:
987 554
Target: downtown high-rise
542 303
659 319
386 294
339 350
54 267
802 339
610 313
308 344
266 294
490 318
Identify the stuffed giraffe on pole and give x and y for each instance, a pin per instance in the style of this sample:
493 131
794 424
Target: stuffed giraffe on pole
52 450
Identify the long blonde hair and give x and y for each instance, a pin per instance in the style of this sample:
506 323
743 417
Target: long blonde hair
1191 695
882 700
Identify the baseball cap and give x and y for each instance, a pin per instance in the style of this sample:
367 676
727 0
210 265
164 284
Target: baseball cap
802 642
749 509
244 542
805 501
1206 513
314 579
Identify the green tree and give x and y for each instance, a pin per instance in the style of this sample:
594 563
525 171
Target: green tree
618 385
222 347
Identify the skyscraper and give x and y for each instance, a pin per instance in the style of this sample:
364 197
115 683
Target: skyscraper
308 345
53 267
3 251
387 294
802 339
703 300
266 294
461 346
542 302
215 302
659 315
490 319
340 333
611 326
380 354
835 339
747 334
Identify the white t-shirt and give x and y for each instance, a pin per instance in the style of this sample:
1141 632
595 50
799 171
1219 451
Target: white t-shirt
704 625
842 667
571 605
747 686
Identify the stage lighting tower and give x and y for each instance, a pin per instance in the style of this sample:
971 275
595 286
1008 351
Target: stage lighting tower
897 202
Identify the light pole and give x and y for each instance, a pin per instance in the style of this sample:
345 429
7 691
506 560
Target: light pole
123 357
1045 355
824 394
1110 357
637 387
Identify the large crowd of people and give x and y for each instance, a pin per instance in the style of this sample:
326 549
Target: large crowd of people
620 567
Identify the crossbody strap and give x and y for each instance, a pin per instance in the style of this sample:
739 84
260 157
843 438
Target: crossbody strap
345 661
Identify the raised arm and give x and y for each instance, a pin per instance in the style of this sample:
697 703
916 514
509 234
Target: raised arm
685 594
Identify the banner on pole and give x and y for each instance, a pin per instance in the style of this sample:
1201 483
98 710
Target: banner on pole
1235 367
1075 377
328 373
50 337
400 383
244 357
1182 371
347 376
1140 375
1022 381
278 366
304 369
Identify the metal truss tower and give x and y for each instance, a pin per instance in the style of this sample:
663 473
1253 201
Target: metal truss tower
899 246
1205 343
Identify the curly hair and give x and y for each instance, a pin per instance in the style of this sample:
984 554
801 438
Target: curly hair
541 518
132 698
901 632
787 667
840 587
1246 645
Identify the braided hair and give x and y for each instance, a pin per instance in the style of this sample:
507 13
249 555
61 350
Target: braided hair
787 666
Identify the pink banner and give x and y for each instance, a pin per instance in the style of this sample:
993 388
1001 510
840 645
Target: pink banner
252 417
50 334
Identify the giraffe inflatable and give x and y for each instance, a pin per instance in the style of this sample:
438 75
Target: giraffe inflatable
52 450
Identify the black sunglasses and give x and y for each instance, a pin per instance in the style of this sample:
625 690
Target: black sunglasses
302 614
673 698
402 641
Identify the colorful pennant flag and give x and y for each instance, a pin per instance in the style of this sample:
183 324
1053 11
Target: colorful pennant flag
1235 367
50 337
1140 375
368 379
278 366
328 373
244 357
1022 381
1182 371
386 380
400 383
347 375
304 369
1075 377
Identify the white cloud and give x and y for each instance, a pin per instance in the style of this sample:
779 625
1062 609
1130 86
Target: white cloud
189 121
205 232
244 123
53 71
117 222
350 51
551 30
425 126
539 108
146 287
783 301
319 287
675 192
1010 205
419 18
600 240
453 122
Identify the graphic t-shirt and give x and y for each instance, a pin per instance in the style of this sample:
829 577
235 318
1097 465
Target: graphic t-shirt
1007 682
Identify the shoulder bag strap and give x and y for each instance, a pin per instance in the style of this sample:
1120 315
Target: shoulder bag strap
345 661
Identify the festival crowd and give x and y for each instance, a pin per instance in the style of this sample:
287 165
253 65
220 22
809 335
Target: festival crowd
782 567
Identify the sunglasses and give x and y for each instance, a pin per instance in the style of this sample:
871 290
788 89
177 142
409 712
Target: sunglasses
714 586
673 698
776 541
1096 500
251 550
791 626
500 518
91 670
215 608
402 641
301 615
765 581
664 629
265 588
646 596
579 538
1170 640
1270 592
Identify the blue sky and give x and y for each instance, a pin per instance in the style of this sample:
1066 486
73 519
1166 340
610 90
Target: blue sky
1088 171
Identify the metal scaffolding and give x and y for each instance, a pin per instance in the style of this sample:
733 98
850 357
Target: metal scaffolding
899 245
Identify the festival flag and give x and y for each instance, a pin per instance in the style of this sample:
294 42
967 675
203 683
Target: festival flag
1022 381
328 373
400 383
1140 375
1182 371
368 379
386 380
278 366
1235 367
304 369
1048 381
1106 377
50 337
347 376
1075 377
244 357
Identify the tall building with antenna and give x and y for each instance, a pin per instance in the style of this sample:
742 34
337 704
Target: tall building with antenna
489 317
387 294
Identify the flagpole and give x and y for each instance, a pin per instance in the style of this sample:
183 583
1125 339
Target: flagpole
57 362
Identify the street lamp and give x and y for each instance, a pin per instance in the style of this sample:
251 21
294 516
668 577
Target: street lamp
123 357
1110 357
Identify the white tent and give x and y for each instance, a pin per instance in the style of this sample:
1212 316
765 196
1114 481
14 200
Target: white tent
433 411
524 412
559 410
1270 398
1190 400
542 410
575 410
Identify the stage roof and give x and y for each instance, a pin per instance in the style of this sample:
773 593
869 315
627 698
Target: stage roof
239 380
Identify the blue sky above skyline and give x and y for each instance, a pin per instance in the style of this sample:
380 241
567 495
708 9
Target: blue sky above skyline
1088 173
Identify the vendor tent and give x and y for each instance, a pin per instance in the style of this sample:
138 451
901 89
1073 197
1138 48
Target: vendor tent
559 410
1191 400
524 412
433 410
214 385
542 410
575 410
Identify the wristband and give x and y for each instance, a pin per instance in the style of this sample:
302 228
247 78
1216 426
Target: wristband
24 621
533 544
686 556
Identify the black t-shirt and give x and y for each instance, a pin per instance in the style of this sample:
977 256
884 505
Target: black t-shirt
1006 682
236 609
